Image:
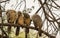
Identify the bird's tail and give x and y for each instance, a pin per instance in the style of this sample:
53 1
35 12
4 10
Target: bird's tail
26 32
40 32
9 29
17 31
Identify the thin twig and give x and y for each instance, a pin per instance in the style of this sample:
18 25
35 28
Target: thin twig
53 6
55 3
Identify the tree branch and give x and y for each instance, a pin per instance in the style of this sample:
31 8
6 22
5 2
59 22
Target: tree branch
30 27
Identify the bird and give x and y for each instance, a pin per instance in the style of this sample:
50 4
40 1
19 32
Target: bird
11 17
37 21
27 22
19 21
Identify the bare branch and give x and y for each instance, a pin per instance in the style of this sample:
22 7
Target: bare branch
15 25
53 6
55 3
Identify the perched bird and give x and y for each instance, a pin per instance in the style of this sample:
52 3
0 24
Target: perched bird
27 22
20 21
37 22
11 17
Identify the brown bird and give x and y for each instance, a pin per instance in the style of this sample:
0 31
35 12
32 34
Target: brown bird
27 22
37 22
11 17
20 21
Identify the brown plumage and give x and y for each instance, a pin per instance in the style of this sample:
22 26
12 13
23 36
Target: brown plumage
11 17
20 21
37 22
27 22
